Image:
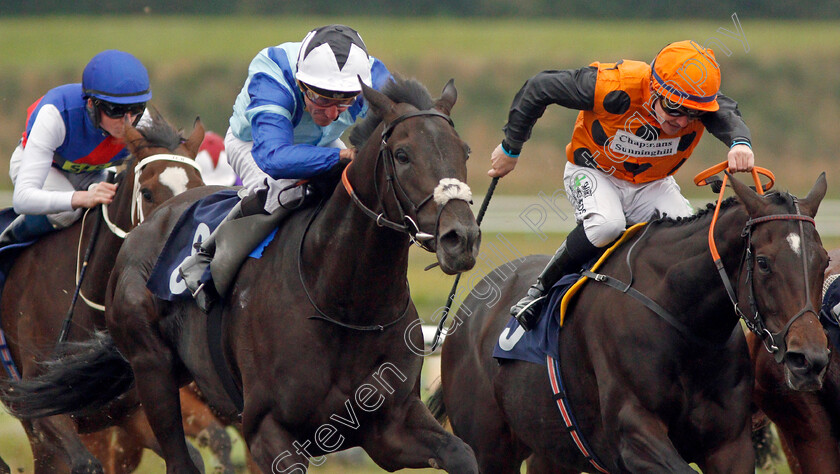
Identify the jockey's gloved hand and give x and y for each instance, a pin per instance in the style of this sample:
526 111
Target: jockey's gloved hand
324 184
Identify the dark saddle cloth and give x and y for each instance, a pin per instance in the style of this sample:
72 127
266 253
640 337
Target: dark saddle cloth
194 225
534 345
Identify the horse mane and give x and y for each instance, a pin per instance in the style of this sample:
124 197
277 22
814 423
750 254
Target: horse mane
159 133
778 198
399 90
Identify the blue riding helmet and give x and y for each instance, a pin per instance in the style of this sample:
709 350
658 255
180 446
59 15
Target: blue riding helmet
116 77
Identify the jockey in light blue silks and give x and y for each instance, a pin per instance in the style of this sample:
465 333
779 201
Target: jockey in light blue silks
287 121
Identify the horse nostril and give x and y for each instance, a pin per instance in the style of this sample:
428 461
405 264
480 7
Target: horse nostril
451 240
797 361
805 362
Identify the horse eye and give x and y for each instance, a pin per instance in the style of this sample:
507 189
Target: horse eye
147 194
401 156
763 264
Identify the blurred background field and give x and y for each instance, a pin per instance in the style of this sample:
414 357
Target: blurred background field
784 74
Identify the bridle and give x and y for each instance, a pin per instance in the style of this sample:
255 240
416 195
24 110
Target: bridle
404 223
137 215
136 198
773 342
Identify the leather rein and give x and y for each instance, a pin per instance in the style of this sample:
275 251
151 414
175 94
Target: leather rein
405 224
773 342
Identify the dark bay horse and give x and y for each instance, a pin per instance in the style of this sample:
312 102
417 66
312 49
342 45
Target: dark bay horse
808 423
651 390
315 330
42 281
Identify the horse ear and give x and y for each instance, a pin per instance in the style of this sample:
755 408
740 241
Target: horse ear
193 143
750 198
132 136
811 202
447 97
381 105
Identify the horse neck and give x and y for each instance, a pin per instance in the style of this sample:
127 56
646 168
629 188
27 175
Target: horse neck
108 244
695 278
363 264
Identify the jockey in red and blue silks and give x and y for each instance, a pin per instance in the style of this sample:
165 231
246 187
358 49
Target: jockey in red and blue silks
72 134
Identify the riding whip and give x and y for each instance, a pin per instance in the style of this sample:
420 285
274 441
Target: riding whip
65 328
451 297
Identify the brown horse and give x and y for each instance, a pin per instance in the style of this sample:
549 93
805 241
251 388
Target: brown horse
42 280
808 423
315 329
653 384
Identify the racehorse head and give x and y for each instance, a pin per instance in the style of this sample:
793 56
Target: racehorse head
783 277
163 164
421 171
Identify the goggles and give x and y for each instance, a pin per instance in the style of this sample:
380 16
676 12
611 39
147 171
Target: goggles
119 110
674 109
323 101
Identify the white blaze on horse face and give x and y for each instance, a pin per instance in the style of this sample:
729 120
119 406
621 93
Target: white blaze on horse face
451 188
175 178
795 243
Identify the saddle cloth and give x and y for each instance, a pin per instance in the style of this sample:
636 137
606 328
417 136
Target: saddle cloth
9 252
194 225
534 345
542 341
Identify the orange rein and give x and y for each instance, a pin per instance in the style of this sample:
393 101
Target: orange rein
701 180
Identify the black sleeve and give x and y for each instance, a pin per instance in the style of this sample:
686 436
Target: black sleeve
571 88
726 124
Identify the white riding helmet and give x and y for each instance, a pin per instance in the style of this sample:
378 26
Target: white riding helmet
330 61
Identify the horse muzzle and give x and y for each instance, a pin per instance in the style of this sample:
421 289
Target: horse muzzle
805 368
458 238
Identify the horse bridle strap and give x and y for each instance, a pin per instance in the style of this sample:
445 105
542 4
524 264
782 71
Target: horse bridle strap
773 342
135 204
408 225
136 208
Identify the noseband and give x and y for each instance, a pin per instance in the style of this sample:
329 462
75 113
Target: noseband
405 223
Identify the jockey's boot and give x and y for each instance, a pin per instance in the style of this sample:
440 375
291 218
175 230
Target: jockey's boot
575 251
224 250
25 228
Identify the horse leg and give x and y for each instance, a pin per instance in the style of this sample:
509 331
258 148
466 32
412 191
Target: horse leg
644 445
816 452
201 424
4 468
483 427
153 366
273 449
412 438
115 449
136 432
54 441
736 456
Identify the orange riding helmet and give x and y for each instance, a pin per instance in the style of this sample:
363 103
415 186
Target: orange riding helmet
687 74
